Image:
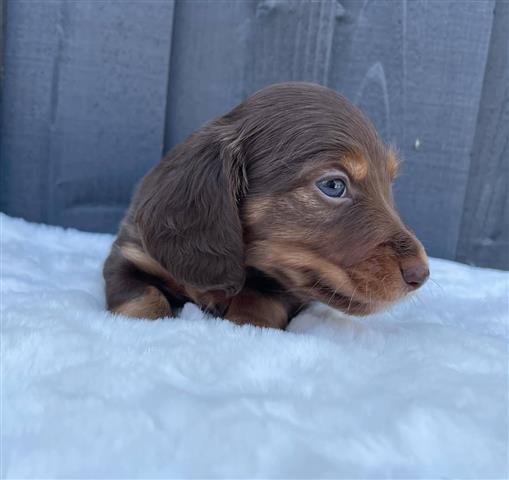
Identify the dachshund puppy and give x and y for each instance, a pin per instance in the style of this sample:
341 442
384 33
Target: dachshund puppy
283 201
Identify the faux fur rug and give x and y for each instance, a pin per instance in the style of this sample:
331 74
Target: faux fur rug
420 391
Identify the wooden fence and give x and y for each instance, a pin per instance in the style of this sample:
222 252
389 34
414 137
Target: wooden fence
95 91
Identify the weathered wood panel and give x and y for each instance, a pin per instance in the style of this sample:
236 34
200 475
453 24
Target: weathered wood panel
446 53
225 50
84 107
484 237
30 47
420 82
94 89
207 63
290 40
371 73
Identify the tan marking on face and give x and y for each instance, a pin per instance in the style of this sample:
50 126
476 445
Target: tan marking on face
378 280
305 195
249 307
357 166
392 164
375 282
150 305
256 209
291 259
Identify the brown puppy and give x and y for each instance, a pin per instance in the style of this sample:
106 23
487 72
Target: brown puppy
285 200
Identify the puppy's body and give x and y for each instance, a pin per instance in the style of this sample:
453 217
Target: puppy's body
138 286
285 200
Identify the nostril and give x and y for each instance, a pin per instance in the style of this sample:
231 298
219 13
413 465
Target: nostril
415 275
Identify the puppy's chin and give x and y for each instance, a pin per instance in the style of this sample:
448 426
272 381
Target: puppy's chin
365 297
348 304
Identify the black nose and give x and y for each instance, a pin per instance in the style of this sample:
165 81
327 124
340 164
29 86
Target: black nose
415 274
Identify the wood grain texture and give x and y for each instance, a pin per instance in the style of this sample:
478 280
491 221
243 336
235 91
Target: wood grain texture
207 63
446 54
290 40
484 236
30 47
84 107
96 90
420 82
226 49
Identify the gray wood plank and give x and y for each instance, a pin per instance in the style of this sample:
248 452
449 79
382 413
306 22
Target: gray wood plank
484 237
421 82
224 50
207 63
30 47
291 40
368 72
88 102
85 103
446 53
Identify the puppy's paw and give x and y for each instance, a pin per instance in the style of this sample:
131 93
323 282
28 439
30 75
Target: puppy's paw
150 305
253 308
257 321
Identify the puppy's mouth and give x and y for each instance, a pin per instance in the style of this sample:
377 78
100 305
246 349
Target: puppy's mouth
368 287
347 304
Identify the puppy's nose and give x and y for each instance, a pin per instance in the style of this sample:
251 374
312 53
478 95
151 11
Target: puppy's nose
415 273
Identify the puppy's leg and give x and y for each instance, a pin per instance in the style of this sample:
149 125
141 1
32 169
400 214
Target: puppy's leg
259 309
129 293
149 304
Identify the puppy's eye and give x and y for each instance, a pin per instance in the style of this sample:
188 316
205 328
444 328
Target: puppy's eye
334 187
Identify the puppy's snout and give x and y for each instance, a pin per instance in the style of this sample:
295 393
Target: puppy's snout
414 272
413 261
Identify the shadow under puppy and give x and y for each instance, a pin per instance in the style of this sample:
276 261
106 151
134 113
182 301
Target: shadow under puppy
284 200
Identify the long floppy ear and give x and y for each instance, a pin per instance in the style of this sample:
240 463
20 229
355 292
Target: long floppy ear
186 211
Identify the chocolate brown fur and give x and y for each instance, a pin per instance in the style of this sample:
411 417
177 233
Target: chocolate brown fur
232 219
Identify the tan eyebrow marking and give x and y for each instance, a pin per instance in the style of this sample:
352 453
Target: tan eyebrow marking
392 163
356 165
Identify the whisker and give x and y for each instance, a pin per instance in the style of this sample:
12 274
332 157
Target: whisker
332 296
383 283
437 284
351 298
387 311
441 291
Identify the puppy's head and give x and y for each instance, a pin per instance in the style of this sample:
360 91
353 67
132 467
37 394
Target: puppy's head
295 182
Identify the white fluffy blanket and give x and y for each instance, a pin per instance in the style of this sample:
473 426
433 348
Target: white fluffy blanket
418 391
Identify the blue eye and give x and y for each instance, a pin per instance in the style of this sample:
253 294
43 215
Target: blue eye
335 187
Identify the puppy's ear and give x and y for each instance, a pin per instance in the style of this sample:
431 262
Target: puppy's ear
186 210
